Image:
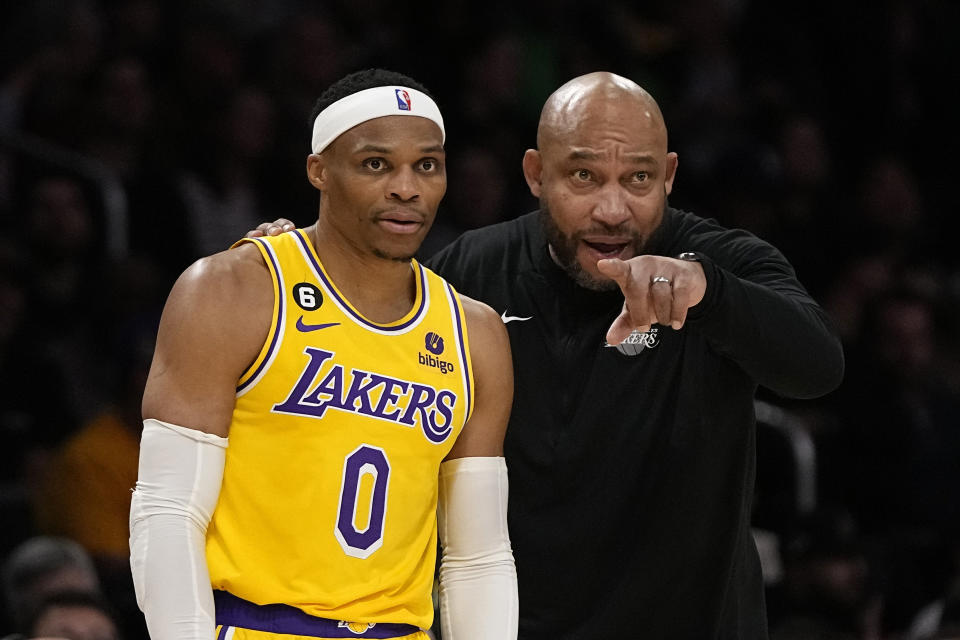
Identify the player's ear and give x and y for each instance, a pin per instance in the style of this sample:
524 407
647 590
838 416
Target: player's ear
533 170
316 171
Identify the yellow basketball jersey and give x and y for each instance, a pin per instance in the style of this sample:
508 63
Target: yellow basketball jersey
329 492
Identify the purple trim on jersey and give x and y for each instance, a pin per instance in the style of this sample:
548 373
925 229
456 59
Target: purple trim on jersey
461 343
223 632
346 305
282 618
276 332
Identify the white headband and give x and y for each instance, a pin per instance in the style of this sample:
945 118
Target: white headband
357 108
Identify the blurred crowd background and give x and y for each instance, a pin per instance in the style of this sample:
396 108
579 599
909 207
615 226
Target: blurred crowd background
138 135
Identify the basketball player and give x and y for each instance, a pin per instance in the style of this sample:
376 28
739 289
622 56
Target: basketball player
310 396
640 333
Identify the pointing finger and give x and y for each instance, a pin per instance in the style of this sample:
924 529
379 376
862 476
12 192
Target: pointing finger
635 290
615 269
621 327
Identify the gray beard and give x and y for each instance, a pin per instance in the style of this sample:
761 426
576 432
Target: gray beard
577 273
563 250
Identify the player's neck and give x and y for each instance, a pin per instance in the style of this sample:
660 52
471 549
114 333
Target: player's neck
381 289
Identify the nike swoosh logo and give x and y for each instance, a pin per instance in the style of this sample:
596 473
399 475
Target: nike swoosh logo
507 318
304 327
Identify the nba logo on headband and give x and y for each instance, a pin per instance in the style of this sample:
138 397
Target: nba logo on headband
403 99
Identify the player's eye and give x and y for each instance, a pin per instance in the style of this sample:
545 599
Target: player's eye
375 164
428 165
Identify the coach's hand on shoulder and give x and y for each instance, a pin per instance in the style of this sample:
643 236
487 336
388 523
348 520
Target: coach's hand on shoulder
275 228
655 290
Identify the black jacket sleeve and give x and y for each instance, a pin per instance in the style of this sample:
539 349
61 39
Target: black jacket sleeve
757 314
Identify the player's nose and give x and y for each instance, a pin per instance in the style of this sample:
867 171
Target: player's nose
403 185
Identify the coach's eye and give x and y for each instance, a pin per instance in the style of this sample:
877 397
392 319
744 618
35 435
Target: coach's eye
583 174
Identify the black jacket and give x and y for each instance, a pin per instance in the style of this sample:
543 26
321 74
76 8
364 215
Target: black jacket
631 476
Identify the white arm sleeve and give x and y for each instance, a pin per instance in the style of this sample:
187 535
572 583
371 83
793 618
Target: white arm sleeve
177 490
478 578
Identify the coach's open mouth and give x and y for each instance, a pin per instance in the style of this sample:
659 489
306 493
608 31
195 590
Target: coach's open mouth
607 249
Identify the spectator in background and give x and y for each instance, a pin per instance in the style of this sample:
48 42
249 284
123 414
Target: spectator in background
73 615
62 248
54 47
940 618
120 118
61 232
25 407
890 222
806 198
218 192
137 27
901 447
829 589
304 55
86 491
42 566
481 199
889 210
221 195
896 461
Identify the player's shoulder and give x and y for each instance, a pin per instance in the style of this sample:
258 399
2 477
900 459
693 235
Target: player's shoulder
233 267
218 312
476 312
490 353
484 325
231 279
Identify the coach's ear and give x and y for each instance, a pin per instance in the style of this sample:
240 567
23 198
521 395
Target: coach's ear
671 172
316 171
533 170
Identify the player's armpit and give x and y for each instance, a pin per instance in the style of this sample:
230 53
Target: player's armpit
213 326
493 379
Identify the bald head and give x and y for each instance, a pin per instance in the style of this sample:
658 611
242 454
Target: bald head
593 97
602 173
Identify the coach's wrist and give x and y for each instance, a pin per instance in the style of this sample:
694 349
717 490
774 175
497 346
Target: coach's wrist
711 276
